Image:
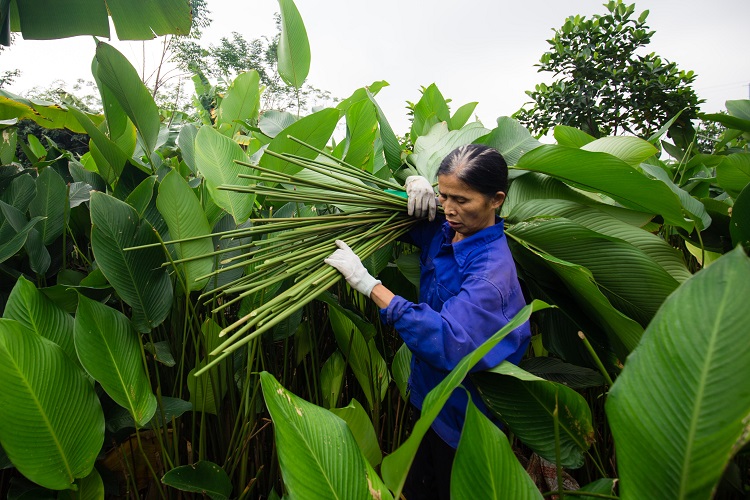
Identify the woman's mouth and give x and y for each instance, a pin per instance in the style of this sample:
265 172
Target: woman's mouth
453 224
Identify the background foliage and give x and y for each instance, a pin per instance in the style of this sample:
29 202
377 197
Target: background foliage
107 317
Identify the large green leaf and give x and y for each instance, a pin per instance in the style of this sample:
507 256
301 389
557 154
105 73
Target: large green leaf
140 197
739 108
368 365
272 122
696 210
408 264
360 94
90 487
531 186
51 422
13 240
315 129
186 143
527 403
120 129
79 173
739 224
136 275
79 193
108 156
396 466
294 48
391 146
118 75
679 409
241 102
8 142
359 423
431 148
556 370
51 202
143 19
362 129
318 456
331 377
110 351
462 115
485 466
733 174
630 278
133 19
401 368
167 409
606 174
226 224
35 311
208 389
572 137
511 139
182 211
36 148
201 477
46 114
592 217
15 223
39 257
429 110
214 158
20 192
631 150
578 292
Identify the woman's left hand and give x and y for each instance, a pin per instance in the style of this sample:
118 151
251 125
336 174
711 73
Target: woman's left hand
421 197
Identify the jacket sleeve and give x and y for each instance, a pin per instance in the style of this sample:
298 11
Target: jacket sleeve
466 320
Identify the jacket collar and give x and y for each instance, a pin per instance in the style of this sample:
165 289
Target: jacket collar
462 249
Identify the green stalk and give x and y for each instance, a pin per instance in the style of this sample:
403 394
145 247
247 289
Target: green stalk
598 361
210 254
341 162
274 176
237 344
332 171
558 454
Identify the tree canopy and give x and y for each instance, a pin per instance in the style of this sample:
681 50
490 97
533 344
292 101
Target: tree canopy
603 84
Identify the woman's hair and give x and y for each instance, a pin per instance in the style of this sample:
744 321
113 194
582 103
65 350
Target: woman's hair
480 167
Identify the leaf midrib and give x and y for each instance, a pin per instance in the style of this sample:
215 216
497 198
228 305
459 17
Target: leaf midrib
100 331
141 299
47 422
708 357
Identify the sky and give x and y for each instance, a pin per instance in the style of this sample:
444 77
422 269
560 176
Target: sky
473 50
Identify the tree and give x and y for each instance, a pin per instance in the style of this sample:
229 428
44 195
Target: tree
603 85
235 54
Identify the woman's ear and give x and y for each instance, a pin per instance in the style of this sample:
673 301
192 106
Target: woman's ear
498 199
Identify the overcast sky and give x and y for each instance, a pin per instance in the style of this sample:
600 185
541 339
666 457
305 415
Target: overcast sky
474 50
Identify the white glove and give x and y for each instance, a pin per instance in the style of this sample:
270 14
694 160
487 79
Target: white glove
421 197
348 264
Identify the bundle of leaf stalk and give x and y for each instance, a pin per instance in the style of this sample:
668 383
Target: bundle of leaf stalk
360 211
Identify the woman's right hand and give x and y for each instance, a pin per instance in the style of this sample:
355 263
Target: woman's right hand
421 197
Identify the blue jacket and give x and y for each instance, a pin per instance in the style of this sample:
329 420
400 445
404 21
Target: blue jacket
468 291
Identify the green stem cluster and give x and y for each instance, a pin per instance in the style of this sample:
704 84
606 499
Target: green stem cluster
293 249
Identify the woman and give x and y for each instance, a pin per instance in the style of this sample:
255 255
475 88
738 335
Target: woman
468 291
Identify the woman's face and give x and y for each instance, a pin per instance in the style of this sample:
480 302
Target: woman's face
466 209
